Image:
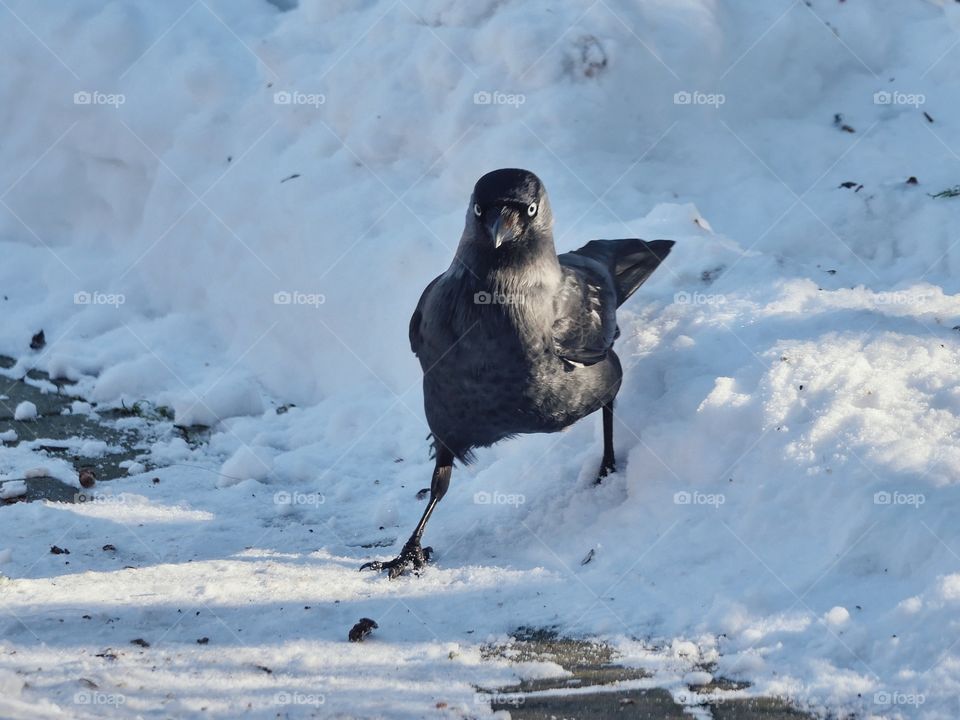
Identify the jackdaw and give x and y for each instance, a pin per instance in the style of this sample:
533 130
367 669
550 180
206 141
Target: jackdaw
514 339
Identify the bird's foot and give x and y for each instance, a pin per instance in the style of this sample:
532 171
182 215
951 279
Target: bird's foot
411 555
606 468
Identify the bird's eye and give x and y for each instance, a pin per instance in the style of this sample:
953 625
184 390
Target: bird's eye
532 209
477 210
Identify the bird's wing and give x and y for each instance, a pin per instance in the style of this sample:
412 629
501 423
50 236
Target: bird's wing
415 337
628 262
585 307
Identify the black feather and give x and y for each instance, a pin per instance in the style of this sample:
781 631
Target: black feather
629 262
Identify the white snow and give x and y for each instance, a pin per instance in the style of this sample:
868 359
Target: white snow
12 489
227 398
837 616
93 448
79 407
788 431
26 410
133 467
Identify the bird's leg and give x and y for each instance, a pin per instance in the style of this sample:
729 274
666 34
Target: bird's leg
412 554
607 465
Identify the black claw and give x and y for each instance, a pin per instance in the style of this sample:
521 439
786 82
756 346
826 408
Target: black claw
606 468
412 555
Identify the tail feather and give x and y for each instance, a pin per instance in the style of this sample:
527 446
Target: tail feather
630 262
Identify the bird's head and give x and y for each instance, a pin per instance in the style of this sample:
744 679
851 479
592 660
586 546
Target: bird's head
509 211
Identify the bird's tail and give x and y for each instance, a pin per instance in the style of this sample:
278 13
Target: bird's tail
630 262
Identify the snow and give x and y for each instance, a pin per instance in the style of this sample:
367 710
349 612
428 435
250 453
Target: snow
79 407
93 448
788 432
132 467
12 489
246 463
26 410
227 399
837 616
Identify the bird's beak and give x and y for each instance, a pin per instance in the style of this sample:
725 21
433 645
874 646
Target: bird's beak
503 226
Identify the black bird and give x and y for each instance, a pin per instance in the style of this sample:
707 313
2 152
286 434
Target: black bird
514 339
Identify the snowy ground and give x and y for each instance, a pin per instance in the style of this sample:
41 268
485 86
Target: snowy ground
225 208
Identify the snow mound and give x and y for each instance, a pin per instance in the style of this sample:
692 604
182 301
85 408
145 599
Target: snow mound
26 410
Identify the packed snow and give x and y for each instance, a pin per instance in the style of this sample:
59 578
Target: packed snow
230 208
26 410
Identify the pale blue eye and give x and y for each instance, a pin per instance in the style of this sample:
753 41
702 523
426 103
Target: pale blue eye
532 209
477 210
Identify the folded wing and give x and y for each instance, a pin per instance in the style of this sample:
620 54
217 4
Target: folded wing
597 279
